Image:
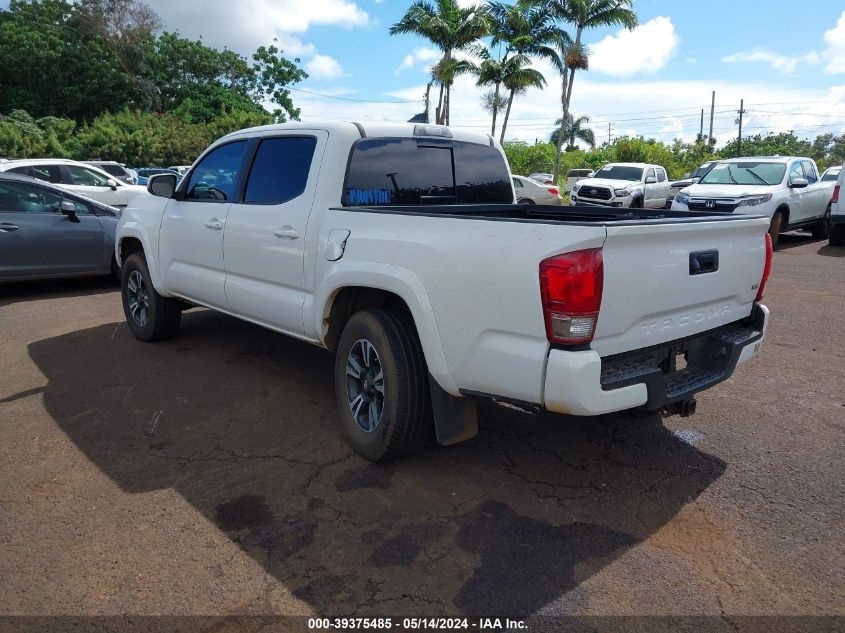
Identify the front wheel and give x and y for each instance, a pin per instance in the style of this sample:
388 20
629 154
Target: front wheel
149 316
381 385
822 229
525 201
774 228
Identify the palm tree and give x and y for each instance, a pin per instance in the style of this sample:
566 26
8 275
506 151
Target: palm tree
518 77
574 129
450 28
491 72
584 14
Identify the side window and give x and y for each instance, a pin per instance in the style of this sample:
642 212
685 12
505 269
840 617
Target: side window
24 171
47 173
24 198
517 183
650 174
810 172
795 171
216 176
86 177
280 169
661 175
481 175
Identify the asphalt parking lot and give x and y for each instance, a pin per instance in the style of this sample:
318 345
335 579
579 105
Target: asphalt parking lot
207 475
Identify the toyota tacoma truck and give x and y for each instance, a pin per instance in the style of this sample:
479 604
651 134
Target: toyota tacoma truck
786 189
402 250
623 185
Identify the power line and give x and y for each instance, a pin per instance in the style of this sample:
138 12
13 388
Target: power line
340 98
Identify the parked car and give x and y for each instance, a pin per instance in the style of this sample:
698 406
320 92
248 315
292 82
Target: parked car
837 210
115 169
786 189
546 179
46 232
144 173
180 169
529 191
400 248
688 179
635 185
575 175
80 178
831 173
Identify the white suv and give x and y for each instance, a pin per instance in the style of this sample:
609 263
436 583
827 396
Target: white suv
79 178
636 185
837 211
786 188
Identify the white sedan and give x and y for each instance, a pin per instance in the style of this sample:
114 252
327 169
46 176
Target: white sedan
530 191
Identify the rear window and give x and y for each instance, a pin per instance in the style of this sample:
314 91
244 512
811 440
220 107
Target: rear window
114 170
416 172
830 174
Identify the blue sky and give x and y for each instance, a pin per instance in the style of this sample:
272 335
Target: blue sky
787 63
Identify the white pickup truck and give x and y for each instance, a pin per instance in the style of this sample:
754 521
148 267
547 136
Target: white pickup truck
401 249
623 185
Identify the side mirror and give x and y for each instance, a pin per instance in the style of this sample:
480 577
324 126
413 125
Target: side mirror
69 209
685 176
650 180
799 183
111 182
162 185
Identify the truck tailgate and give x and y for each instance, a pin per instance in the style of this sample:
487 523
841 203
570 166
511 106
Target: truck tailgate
661 282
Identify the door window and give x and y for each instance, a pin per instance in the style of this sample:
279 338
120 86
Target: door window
810 172
85 177
215 178
18 197
650 174
280 169
795 171
661 175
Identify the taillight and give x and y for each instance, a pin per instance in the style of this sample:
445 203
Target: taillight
570 287
553 191
766 269
835 194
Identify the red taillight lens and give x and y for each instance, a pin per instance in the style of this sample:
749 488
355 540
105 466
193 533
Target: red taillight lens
570 287
835 194
766 269
553 191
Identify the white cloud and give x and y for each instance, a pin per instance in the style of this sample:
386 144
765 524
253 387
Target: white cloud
646 49
781 63
419 55
835 52
324 67
244 25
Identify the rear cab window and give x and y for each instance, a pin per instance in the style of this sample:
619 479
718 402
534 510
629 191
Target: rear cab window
411 171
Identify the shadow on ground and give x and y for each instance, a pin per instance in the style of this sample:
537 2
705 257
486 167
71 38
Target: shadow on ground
38 290
240 422
788 241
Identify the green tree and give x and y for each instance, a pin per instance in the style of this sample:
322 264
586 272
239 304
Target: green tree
584 14
273 74
449 27
574 129
517 78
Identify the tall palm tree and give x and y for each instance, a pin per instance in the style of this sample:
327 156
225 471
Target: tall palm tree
584 14
450 28
574 129
444 72
491 72
518 77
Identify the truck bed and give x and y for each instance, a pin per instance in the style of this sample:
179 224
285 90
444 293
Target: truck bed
579 214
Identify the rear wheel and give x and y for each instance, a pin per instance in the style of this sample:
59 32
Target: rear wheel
525 201
149 316
822 229
381 385
774 227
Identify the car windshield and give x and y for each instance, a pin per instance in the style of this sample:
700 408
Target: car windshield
699 173
831 174
620 172
745 173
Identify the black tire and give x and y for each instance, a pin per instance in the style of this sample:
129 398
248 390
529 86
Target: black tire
163 314
821 231
525 201
775 228
637 203
405 421
837 235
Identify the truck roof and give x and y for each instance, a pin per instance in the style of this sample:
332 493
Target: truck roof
374 128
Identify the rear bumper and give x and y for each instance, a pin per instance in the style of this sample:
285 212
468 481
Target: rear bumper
583 383
837 218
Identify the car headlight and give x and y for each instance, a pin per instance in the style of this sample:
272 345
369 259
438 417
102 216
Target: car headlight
753 201
682 198
622 193
576 188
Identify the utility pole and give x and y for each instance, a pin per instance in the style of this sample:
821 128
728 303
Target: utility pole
710 138
609 137
701 127
427 94
741 111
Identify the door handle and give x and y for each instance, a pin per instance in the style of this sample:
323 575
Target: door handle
286 231
214 224
7 227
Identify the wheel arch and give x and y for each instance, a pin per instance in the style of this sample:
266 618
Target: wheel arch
129 241
783 208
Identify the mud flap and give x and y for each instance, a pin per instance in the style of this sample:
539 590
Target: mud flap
455 419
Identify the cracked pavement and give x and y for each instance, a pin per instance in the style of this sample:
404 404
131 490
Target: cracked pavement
207 475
